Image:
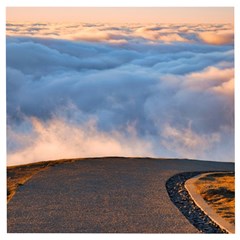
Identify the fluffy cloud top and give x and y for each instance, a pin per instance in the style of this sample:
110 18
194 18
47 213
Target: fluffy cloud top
96 90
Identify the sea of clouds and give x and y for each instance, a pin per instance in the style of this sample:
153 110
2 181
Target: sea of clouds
86 90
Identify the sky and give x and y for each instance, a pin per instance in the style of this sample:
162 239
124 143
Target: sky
97 86
123 14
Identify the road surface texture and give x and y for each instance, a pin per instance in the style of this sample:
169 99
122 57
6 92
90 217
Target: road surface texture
105 195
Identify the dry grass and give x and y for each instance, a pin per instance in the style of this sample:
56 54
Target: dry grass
218 190
17 176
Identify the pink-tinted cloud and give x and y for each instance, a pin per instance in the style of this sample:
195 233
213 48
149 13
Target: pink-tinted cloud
57 139
217 37
186 141
225 88
155 33
209 78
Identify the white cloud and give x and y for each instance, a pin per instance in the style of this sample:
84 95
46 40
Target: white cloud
121 91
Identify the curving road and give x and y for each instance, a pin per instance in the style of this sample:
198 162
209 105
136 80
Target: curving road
116 195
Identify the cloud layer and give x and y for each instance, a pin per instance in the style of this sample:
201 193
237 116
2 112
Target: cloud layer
207 33
96 89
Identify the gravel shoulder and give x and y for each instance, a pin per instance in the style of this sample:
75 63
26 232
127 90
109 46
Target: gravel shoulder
103 195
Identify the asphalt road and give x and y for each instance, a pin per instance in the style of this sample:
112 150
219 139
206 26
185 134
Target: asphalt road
113 195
